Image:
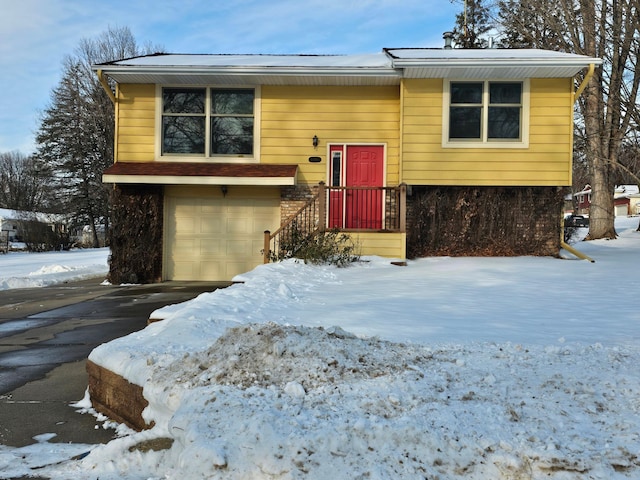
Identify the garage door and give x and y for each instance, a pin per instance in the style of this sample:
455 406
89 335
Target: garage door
621 210
210 237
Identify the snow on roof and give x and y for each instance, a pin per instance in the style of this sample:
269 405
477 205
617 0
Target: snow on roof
527 55
8 214
383 68
626 191
389 58
375 60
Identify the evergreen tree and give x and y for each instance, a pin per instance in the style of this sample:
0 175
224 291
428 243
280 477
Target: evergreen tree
471 24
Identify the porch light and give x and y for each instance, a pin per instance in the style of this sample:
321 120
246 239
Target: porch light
315 141
224 190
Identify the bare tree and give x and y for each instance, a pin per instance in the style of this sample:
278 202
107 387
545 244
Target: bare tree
530 24
607 29
25 183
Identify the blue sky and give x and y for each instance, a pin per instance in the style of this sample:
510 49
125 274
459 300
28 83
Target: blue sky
36 35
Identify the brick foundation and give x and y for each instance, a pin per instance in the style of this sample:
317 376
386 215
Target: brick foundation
293 198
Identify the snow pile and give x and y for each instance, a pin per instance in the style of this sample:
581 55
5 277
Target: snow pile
299 402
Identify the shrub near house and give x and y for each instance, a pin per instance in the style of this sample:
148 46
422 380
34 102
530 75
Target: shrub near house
413 152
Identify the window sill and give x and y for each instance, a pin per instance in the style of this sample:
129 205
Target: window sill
198 159
486 145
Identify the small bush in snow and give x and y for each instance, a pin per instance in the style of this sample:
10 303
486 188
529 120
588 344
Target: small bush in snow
329 248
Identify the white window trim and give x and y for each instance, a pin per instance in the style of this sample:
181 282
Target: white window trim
197 158
523 142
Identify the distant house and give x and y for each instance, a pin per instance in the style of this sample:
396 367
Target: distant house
413 152
626 200
583 200
9 222
19 227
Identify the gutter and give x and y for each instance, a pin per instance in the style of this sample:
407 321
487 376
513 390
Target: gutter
364 71
486 62
106 87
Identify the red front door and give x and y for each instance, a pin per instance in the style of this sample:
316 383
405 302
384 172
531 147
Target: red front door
356 166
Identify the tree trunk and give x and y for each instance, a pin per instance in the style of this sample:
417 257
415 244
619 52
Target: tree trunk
601 211
598 137
601 217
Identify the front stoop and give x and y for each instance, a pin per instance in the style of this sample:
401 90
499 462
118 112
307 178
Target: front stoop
117 398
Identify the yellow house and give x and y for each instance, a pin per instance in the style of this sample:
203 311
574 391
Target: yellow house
413 151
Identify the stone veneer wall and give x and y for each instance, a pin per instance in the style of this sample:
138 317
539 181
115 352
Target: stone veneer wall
483 221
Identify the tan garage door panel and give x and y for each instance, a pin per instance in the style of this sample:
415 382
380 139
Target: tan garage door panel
211 237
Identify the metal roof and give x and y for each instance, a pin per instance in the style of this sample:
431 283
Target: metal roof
383 68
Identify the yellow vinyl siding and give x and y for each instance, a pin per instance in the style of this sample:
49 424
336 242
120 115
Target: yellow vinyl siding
291 116
546 161
390 245
135 122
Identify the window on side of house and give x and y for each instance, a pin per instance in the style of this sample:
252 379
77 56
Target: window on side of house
208 122
484 113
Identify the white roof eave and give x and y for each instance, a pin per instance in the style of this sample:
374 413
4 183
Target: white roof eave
474 63
580 62
251 75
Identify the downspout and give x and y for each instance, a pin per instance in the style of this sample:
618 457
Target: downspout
106 87
564 244
585 80
569 248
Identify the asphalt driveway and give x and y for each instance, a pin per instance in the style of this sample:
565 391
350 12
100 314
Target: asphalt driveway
46 335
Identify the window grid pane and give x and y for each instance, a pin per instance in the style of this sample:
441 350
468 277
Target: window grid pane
183 100
505 93
465 122
232 102
232 135
504 122
466 93
183 135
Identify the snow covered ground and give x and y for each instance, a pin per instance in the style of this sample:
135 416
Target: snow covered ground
29 270
474 368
